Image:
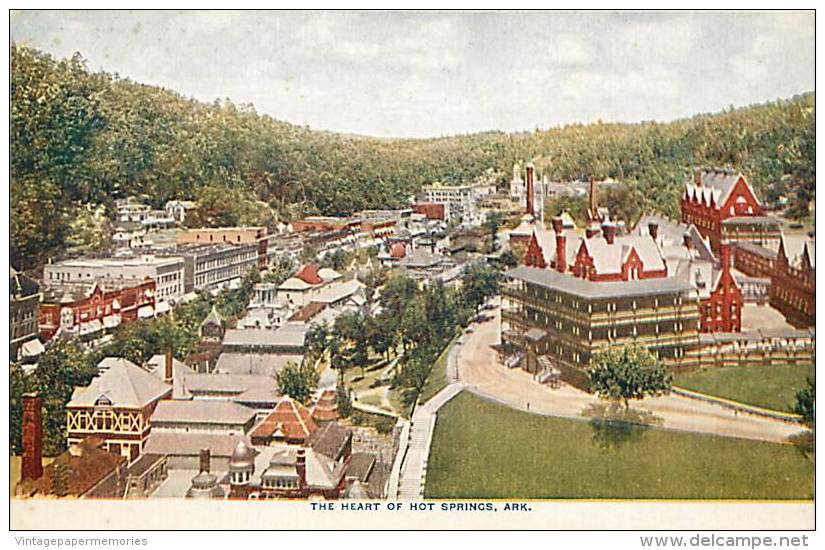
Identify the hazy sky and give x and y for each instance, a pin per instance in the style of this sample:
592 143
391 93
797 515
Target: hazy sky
427 74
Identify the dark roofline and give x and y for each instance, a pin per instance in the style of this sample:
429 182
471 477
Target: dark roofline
588 289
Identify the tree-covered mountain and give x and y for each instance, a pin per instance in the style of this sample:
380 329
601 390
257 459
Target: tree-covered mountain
82 138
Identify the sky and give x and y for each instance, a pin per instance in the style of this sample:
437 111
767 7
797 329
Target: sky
423 74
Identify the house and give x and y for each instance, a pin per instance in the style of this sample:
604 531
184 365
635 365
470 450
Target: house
24 302
290 422
724 207
116 407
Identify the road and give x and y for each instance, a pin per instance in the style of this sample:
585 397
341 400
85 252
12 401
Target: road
480 372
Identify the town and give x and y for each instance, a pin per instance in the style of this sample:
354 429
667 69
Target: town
210 303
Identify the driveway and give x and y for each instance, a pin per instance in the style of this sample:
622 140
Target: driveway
480 372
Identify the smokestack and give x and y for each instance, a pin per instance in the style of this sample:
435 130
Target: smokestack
530 188
653 229
301 467
205 460
168 377
32 436
561 248
609 231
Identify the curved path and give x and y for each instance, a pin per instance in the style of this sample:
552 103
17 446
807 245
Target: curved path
480 372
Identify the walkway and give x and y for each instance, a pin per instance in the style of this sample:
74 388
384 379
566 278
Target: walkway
414 467
480 372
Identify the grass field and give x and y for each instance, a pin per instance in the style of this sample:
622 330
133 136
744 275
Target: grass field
485 450
763 386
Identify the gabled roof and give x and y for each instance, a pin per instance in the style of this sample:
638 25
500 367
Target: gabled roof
122 384
309 274
796 246
338 291
326 408
330 440
21 284
289 420
214 318
157 366
609 258
329 274
227 383
294 283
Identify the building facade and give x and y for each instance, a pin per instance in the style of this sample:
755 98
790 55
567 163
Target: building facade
793 282
24 306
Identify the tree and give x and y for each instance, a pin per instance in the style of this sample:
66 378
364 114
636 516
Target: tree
492 223
480 284
337 259
298 381
622 373
343 401
805 405
380 335
317 339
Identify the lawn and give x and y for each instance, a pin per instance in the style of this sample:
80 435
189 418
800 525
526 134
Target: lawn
764 386
485 450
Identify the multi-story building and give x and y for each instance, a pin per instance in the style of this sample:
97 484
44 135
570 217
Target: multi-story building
116 407
24 298
555 320
90 308
237 236
724 207
166 271
460 200
793 282
208 267
753 260
129 210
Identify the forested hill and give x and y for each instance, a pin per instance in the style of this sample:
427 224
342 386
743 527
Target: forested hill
80 138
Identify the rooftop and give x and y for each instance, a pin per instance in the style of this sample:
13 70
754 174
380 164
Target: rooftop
121 384
201 411
552 279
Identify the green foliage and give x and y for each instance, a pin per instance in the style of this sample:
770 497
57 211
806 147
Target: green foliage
343 402
622 373
280 269
298 381
492 222
81 137
805 405
480 283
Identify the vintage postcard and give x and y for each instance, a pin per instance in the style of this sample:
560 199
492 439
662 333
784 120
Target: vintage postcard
412 270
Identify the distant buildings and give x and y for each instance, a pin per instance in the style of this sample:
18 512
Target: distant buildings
793 281
24 306
460 201
167 272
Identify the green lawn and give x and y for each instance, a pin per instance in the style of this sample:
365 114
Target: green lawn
437 380
485 450
764 386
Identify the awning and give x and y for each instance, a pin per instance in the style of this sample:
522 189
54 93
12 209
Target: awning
162 307
32 348
111 321
91 327
146 312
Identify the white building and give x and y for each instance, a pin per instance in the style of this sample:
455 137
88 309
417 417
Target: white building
167 272
461 200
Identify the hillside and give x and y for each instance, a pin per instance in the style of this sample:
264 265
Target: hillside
80 138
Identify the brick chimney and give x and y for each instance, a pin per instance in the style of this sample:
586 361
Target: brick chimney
530 188
301 468
168 376
32 436
205 460
724 252
653 229
609 231
561 245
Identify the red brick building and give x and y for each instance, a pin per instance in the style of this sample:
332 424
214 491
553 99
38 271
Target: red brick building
722 311
724 207
754 260
88 309
793 283
433 210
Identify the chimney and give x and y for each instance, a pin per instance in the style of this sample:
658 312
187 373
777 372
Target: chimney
594 208
530 188
301 468
32 436
688 241
168 377
609 231
558 224
653 229
205 460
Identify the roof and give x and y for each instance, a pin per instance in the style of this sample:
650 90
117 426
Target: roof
308 311
122 384
191 443
330 439
86 464
796 246
720 181
338 291
756 249
398 251
609 258
547 242
157 366
328 274
746 220
285 336
360 466
289 420
268 364
201 411
214 318
321 472
584 288
294 283
309 274
420 258
326 408
227 383
21 284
